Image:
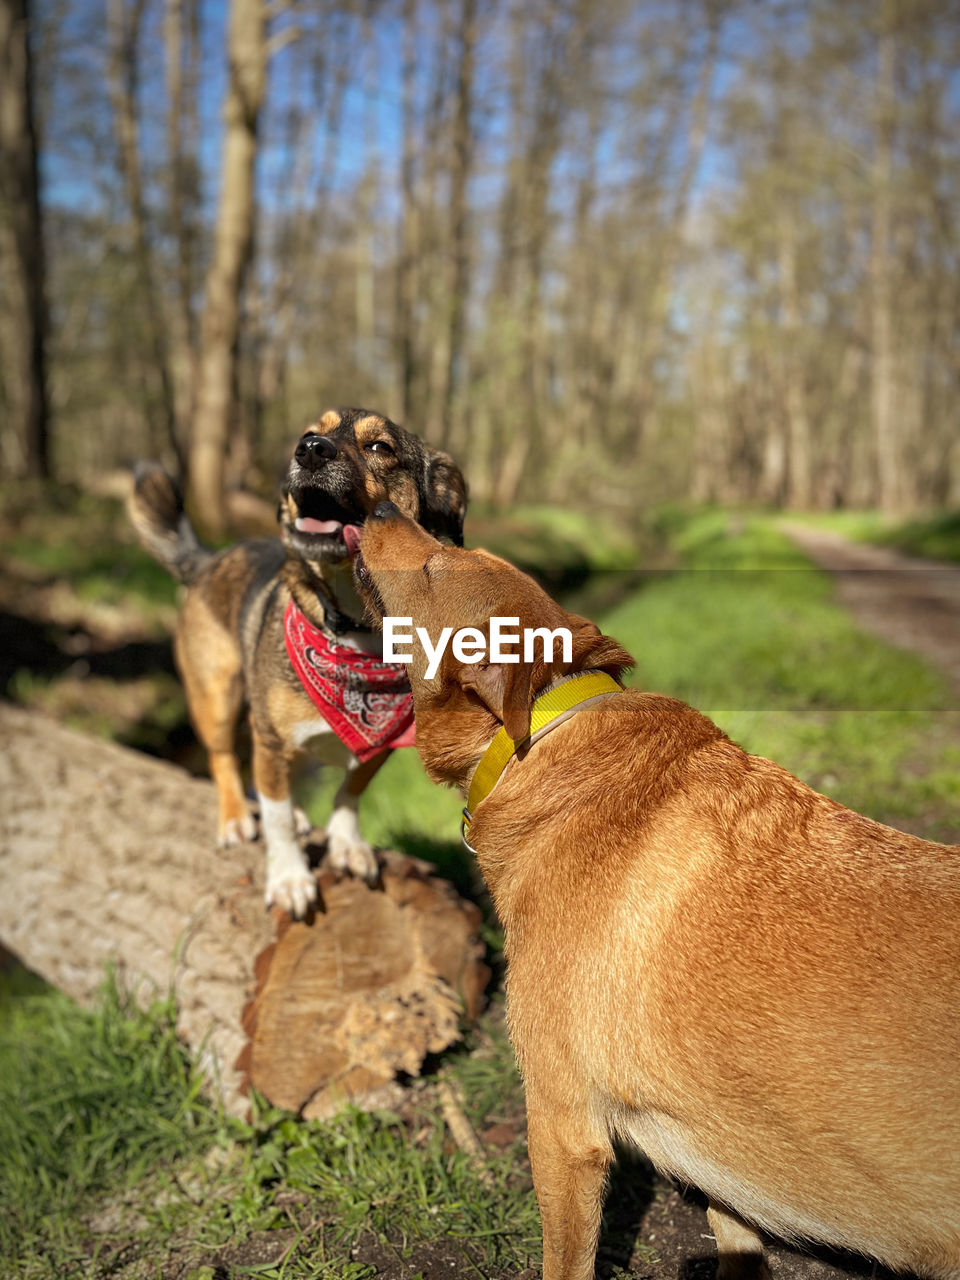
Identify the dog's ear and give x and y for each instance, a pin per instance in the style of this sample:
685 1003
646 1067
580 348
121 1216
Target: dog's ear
443 502
504 688
593 651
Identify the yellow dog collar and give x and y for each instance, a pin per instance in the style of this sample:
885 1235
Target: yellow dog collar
569 694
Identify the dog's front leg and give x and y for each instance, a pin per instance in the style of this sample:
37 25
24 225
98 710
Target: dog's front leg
739 1247
570 1164
291 884
346 848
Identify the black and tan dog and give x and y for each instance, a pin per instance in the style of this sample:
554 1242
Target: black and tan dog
234 631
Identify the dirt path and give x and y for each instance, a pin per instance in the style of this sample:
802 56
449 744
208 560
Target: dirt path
909 602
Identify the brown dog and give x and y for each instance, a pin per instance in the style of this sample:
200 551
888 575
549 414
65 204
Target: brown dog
757 986
254 610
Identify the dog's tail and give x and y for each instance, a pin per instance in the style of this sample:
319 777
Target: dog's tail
155 506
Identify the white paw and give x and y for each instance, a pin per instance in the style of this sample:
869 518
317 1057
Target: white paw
293 890
291 884
301 822
354 856
238 831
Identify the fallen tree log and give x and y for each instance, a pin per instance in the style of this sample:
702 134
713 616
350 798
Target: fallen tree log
107 855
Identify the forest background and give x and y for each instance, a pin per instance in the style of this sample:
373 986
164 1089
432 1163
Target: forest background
608 252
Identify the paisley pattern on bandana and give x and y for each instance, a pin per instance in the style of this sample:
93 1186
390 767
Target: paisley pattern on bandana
366 702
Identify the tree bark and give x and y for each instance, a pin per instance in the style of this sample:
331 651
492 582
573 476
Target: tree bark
124 26
527 226
182 193
408 229
233 244
800 472
461 167
885 443
660 285
22 249
710 471
107 856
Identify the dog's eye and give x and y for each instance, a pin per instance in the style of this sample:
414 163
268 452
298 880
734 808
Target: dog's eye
380 446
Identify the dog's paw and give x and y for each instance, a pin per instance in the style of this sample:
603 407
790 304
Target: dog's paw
238 831
291 884
292 891
301 822
354 856
346 848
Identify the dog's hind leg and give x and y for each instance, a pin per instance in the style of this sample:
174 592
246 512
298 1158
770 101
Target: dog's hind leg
570 1163
739 1247
210 666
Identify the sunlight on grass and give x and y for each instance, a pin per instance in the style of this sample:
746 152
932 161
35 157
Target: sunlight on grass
109 1149
90 1101
748 633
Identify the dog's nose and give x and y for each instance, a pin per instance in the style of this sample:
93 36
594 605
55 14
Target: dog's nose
385 511
313 451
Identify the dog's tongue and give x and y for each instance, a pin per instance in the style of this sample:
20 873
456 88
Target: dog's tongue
351 536
307 524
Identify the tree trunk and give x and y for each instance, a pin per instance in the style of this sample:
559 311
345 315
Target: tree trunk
107 855
409 218
233 243
800 471
461 168
124 29
182 194
21 249
656 326
885 443
710 472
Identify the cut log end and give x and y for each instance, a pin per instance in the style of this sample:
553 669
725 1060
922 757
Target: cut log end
377 981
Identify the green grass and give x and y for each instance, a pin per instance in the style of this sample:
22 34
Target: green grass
749 633
105 575
373 1178
85 543
937 537
113 1164
89 1102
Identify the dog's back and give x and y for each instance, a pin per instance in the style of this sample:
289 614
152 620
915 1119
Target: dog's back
759 987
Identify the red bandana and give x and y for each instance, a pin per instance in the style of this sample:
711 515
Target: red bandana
366 702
